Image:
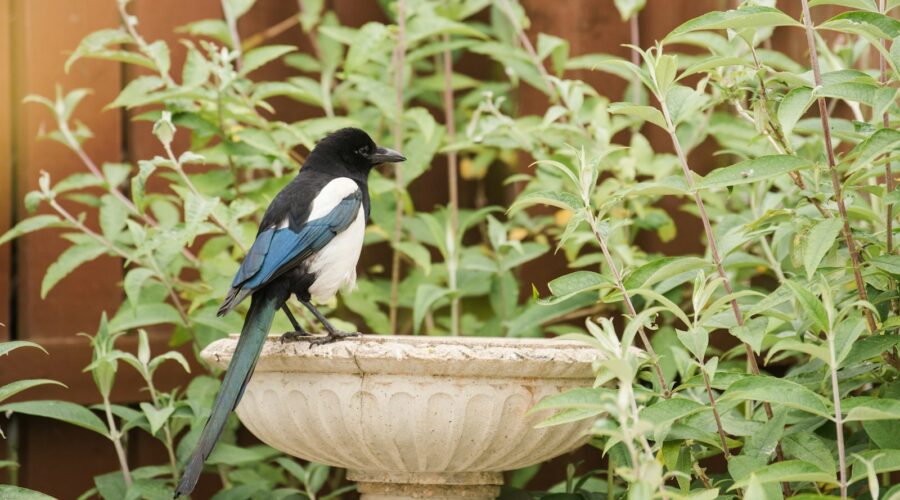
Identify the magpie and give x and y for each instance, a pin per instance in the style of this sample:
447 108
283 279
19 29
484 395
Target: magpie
308 244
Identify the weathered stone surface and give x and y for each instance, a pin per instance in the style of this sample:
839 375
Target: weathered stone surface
414 417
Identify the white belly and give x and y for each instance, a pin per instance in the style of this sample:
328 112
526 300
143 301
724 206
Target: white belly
335 265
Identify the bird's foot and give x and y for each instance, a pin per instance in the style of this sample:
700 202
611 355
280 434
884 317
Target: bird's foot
295 336
333 336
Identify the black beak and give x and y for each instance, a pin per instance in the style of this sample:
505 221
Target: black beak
385 155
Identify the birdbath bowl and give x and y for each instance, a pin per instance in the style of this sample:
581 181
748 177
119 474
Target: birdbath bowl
414 417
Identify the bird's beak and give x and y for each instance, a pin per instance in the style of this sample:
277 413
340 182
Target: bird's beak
385 155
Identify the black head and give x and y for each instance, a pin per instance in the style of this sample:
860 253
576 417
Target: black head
355 149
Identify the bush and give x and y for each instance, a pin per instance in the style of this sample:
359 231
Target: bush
797 387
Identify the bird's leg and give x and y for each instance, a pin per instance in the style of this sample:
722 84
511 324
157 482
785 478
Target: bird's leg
298 332
333 333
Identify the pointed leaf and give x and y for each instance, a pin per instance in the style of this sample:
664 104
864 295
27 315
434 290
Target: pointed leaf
757 169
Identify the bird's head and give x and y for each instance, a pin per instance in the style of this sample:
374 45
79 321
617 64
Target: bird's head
355 149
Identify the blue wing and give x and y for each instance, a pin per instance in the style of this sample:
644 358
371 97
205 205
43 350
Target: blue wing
278 250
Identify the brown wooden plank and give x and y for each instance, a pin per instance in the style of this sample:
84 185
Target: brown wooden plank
45 32
61 460
6 162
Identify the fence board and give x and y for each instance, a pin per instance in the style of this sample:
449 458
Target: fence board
6 164
47 31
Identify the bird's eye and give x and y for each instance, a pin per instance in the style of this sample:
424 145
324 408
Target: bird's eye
362 151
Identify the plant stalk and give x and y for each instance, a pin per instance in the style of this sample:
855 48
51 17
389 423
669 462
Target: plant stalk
452 183
116 438
838 416
710 237
634 29
832 167
617 277
715 411
398 62
167 431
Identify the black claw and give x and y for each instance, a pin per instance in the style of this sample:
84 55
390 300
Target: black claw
294 336
333 337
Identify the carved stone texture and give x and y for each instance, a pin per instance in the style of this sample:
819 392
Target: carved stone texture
414 417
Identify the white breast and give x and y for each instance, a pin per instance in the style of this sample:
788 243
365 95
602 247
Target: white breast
335 265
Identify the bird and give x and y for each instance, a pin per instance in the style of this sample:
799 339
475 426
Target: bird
308 244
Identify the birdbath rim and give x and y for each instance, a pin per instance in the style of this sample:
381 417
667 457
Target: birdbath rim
482 357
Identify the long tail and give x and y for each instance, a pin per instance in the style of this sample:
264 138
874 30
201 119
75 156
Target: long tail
253 335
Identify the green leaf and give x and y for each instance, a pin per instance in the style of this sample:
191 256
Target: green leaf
129 318
12 345
868 23
629 8
137 91
568 416
743 18
559 199
664 269
808 447
10 492
645 113
882 461
757 169
261 56
556 48
876 409
64 411
156 416
779 391
585 398
811 305
853 4
869 348
789 471
752 332
817 351
883 141
134 282
761 444
212 28
68 261
9 390
237 8
229 454
426 296
113 215
418 253
577 282
887 263
77 182
159 53
793 107
97 44
30 225
196 69
695 341
819 241
669 410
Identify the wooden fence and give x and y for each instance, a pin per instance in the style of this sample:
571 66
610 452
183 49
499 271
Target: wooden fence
36 37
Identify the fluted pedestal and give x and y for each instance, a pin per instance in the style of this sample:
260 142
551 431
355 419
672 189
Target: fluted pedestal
414 417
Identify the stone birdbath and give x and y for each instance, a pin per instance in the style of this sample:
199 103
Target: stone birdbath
414 417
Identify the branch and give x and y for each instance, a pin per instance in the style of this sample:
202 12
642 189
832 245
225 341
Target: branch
620 285
452 183
398 63
832 167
